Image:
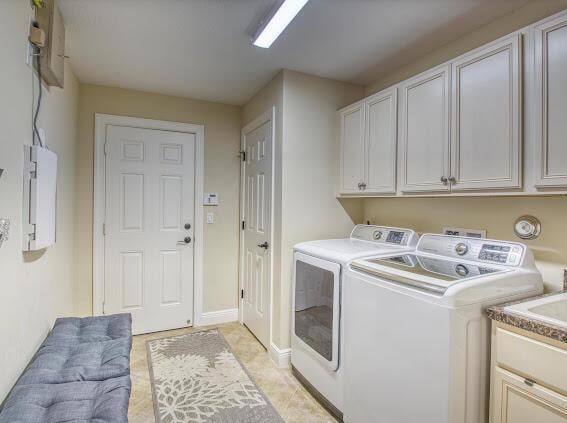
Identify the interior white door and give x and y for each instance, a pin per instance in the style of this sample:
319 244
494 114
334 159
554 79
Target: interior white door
486 112
352 148
150 183
551 102
257 235
424 123
381 136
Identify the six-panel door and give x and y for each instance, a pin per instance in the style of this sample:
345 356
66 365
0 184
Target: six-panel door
257 242
148 264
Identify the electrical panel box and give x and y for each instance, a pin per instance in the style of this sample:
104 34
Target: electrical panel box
52 57
40 198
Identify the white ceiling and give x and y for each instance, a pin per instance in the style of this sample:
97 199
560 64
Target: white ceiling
201 48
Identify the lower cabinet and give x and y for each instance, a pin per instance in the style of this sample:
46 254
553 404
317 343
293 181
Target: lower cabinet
518 400
528 377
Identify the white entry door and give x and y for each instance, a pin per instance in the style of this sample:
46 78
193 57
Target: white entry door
150 183
256 236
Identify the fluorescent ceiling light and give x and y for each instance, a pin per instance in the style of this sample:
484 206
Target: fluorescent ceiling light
277 21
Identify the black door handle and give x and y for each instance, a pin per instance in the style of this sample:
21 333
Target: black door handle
185 241
264 245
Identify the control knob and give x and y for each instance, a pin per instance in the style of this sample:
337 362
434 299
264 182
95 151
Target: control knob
461 248
461 270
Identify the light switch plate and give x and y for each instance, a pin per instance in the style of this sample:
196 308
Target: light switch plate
210 218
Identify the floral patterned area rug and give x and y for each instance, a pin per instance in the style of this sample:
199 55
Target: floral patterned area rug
198 378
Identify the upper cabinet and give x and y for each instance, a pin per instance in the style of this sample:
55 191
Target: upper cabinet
551 103
464 127
352 148
368 145
424 132
486 118
380 165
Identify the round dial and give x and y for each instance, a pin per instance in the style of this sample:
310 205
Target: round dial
461 270
461 248
527 227
377 235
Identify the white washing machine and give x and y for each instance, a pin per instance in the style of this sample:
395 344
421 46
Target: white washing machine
418 339
317 318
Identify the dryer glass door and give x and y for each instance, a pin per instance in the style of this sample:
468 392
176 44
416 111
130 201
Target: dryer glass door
316 306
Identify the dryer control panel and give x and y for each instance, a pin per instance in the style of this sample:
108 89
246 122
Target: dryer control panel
483 250
384 235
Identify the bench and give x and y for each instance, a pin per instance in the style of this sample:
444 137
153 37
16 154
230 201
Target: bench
81 372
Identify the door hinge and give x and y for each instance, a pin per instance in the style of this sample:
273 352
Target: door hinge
243 155
243 225
241 293
105 148
103 307
104 229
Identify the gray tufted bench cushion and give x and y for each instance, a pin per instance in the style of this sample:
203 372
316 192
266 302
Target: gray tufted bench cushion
100 402
87 361
81 373
73 330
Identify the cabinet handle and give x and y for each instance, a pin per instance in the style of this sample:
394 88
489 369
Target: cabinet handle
444 180
453 180
363 185
360 185
529 382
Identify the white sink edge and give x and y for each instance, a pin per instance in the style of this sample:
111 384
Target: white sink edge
523 309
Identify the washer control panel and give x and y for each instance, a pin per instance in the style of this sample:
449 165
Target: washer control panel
383 235
483 250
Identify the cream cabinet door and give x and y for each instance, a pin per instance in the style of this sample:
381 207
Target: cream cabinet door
515 401
424 130
352 149
551 103
486 118
381 135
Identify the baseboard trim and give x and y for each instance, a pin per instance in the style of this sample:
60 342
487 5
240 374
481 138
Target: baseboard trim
218 317
282 357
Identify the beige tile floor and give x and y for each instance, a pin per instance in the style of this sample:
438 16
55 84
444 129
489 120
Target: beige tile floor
285 392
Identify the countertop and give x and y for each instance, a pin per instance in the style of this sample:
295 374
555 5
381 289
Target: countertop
497 312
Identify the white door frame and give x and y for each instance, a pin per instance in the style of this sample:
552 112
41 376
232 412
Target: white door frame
101 122
267 116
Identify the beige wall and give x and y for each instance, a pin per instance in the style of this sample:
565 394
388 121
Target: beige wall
36 287
306 149
496 215
222 140
310 154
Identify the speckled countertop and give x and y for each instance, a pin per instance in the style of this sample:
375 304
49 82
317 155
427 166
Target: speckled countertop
497 312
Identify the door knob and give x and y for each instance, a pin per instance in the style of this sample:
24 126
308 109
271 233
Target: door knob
264 245
445 180
185 241
187 226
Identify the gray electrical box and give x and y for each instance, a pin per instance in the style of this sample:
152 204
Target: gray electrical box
52 58
39 212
